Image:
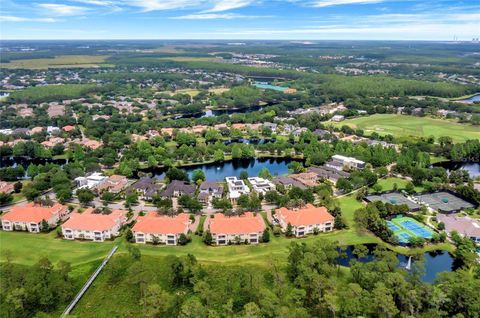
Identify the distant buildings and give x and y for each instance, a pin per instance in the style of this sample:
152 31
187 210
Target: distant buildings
94 225
29 217
245 228
305 220
160 229
236 188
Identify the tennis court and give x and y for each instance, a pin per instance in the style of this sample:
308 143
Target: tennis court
444 201
405 227
395 198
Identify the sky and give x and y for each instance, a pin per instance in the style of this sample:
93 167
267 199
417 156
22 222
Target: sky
436 20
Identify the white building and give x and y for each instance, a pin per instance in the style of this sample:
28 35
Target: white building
52 129
236 188
338 118
261 185
90 181
346 162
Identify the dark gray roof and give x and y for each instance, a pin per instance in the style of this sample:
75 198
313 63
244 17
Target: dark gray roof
210 186
287 181
330 173
177 185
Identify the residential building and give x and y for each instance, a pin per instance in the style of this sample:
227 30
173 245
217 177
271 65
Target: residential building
147 187
261 185
177 188
346 162
308 179
338 118
236 188
325 172
6 187
209 190
91 181
29 217
244 228
115 184
52 129
465 226
305 220
94 225
68 128
161 229
288 182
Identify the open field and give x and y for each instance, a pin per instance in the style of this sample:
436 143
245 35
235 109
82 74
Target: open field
404 126
387 184
218 90
61 61
191 59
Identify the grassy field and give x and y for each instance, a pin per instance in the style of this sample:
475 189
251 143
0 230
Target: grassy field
403 126
191 59
387 184
218 90
61 61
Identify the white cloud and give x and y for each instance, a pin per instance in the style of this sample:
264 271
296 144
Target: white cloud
10 18
213 16
63 9
329 3
96 2
154 5
225 5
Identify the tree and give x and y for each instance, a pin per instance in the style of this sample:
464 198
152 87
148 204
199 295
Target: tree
410 187
264 173
85 196
182 239
157 302
17 187
197 175
30 192
5 198
377 188
289 231
131 198
176 174
129 236
344 185
45 227
243 175
266 236
207 238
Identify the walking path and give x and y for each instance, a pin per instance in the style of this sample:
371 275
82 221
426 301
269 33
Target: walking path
88 283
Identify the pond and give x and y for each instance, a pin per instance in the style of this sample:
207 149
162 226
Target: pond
219 112
473 168
471 99
218 171
13 161
435 261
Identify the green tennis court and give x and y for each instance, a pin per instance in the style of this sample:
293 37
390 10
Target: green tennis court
405 227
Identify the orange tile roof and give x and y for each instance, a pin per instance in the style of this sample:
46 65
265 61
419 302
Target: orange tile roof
88 221
6 187
306 215
153 223
68 128
31 212
244 224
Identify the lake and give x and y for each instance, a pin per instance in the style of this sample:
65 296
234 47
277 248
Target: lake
218 171
435 261
473 168
13 161
471 99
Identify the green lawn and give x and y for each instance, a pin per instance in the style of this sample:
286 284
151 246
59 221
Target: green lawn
404 126
387 184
